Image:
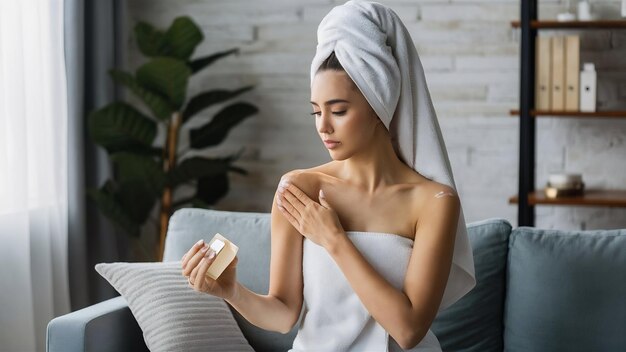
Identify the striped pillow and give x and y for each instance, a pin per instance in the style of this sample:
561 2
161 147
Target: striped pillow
171 314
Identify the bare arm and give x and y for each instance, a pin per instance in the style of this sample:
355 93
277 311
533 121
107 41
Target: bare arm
264 311
407 315
280 308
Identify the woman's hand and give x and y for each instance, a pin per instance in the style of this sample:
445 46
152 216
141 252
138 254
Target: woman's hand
316 221
195 264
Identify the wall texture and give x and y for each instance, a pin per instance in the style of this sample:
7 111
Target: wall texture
471 57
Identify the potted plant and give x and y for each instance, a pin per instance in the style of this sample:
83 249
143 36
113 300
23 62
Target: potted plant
146 175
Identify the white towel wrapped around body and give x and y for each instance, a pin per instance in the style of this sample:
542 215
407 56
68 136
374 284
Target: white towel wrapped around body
335 319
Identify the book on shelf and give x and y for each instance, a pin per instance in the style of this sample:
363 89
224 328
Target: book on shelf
557 80
572 72
558 73
543 80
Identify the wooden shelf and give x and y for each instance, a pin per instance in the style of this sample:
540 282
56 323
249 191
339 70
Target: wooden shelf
598 114
599 24
529 26
591 197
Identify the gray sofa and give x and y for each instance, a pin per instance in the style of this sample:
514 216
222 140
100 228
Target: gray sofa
538 290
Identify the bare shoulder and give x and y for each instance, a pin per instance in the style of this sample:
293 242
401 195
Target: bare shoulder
434 190
307 180
436 200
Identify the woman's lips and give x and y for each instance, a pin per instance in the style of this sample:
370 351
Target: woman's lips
331 145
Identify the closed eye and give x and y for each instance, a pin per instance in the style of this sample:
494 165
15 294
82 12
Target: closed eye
338 113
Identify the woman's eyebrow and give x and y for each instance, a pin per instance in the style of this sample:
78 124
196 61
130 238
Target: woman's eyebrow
330 102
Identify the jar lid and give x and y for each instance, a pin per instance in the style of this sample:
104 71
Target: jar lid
564 178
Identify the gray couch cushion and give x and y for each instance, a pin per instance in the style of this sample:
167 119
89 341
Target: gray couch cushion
171 314
554 281
474 323
251 233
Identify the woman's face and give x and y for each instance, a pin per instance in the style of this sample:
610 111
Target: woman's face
342 114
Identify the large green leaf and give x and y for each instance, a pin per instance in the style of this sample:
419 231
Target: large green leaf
206 99
137 198
198 167
112 209
139 150
119 126
198 64
139 168
238 170
192 201
217 129
150 40
179 41
167 77
182 38
212 188
199 203
155 101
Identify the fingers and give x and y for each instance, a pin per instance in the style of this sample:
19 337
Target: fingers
191 252
293 194
293 200
192 275
298 194
199 278
288 210
292 205
194 260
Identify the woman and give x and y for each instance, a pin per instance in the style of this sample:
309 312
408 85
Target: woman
368 248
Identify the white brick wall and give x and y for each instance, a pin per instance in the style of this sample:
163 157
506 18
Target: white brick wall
471 58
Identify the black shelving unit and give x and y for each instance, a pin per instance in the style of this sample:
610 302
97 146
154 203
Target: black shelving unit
526 182
528 196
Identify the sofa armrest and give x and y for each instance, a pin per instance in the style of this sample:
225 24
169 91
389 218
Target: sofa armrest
105 326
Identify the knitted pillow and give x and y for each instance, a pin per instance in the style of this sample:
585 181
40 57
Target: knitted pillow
171 314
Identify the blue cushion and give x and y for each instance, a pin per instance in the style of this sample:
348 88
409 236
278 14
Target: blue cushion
474 323
566 291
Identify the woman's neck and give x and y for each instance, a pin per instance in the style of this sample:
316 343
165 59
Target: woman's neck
375 167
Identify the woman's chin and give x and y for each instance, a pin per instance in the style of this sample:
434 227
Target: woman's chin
337 156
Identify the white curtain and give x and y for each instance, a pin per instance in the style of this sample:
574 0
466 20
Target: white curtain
33 172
